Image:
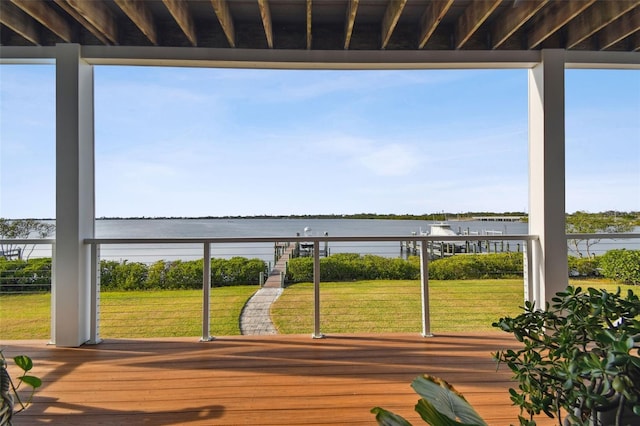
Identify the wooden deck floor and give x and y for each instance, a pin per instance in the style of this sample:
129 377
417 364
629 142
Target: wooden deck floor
259 380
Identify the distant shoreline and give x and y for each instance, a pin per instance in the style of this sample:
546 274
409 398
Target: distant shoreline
431 217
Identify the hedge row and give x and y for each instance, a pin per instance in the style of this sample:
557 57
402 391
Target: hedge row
35 275
178 274
350 266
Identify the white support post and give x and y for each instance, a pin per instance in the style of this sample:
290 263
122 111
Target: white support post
547 175
206 293
75 187
94 318
316 291
424 284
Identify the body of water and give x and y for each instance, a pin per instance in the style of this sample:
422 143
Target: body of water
249 227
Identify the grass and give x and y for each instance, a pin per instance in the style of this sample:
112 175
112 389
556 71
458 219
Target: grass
133 313
354 307
395 306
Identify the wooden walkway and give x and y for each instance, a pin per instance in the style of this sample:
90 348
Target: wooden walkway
259 380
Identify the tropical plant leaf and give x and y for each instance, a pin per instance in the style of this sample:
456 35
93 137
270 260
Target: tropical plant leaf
434 417
24 362
387 418
446 400
32 381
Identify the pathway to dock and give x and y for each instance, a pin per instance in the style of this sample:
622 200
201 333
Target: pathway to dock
255 318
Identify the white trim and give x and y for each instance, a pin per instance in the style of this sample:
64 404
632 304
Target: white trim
319 59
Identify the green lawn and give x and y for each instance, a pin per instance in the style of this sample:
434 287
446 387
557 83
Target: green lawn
353 307
133 313
395 306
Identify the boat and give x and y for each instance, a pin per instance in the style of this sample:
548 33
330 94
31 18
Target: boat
443 229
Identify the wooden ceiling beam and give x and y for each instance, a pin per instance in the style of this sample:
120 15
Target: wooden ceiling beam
430 19
224 17
265 15
350 19
390 20
635 42
19 23
554 17
513 19
309 13
620 29
94 16
596 18
43 13
141 16
472 18
180 12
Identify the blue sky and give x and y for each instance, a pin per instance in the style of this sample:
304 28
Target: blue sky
214 142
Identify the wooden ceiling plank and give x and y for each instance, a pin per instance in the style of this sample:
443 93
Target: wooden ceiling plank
472 18
226 21
390 20
620 29
180 12
352 10
48 17
141 16
431 17
265 15
635 42
596 18
309 13
513 19
554 17
19 23
95 17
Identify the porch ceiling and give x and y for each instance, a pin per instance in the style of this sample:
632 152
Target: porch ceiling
439 25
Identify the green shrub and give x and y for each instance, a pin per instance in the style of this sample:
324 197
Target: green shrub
621 265
584 266
350 267
178 274
25 275
477 266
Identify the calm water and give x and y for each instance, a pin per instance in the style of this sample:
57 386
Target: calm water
197 228
178 228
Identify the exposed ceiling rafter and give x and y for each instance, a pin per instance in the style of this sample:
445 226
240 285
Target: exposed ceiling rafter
430 19
180 12
390 20
226 21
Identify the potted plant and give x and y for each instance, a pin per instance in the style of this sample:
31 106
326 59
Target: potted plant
580 361
9 396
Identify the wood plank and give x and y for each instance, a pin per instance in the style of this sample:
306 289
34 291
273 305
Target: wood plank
309 16
596 18
513 19
620 29
350 19
226 21
13 18
265 15
180 12
266 380
390 20
94 16
41 12
430 19
141 16
472 18
554 17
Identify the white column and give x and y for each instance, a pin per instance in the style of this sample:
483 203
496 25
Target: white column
74 195
547 175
